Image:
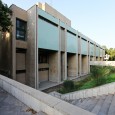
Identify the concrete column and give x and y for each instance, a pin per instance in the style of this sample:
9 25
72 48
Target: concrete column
14 48
79 55
95 53
65 54
72 65
54 66
89 64
89 56
59 55
88 51
32 50
77 64
37 53
59 64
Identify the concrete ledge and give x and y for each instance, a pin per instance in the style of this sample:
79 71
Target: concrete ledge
97 91
38 100
103 63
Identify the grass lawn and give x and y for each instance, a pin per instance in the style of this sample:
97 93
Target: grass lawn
89 82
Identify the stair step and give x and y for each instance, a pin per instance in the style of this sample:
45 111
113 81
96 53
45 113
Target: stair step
98 105
112 107
106 105
90 104
84 102
79 102
74 101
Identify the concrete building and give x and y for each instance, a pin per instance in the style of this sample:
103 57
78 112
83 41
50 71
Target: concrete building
46 49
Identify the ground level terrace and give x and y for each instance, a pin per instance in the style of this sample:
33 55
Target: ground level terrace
54 67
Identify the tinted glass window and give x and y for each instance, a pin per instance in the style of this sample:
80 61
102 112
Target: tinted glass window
20 29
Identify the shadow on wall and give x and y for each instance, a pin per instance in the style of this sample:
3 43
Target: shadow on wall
5 54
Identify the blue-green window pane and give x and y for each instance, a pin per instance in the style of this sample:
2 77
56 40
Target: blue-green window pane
48 35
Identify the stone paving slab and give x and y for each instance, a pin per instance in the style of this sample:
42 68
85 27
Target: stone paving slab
9 105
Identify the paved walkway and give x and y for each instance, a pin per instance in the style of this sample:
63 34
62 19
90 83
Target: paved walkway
9 105
47 84
100 105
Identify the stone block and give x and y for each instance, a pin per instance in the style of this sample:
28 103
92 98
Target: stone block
111 89
89 93
81 94
95 92
76 95
102 90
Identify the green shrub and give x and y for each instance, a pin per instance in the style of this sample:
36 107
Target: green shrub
68 84
99 73
112 69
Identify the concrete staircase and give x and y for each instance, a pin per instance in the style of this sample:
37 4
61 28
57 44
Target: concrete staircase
100 105
9 105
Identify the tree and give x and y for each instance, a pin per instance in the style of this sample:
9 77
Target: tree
5 14
5 40
111 52
106 50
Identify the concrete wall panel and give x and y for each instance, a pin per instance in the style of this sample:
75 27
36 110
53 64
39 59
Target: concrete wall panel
21 77
20 61
48 16
56 14
71 65
53 66
43 75
84 60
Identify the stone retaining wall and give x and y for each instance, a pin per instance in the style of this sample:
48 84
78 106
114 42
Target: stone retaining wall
101 90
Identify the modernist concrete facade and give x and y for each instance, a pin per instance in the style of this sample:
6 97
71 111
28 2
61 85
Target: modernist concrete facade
46 48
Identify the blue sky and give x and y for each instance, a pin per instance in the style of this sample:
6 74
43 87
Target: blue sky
94 18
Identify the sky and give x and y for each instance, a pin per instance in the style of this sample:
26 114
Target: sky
93 18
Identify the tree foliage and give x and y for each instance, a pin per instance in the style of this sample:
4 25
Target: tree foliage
5 14
111 52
